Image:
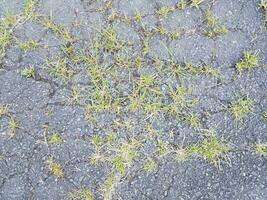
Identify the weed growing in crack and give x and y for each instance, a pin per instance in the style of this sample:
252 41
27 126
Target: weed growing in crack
28 8
13 125
82 194
241 107
261 148
210 148
6 23
138 17
60 69
54 139
181 5
55 168
263 4
28 46
192 119
108 39
182 154
215 27
58 29
162 147
185 69
4 110
161 30
125 155
264 115
249 61
108 187
181 98
164 11
113 16
75 95
96 140
174 35
28 72
195 3
123 61
150 165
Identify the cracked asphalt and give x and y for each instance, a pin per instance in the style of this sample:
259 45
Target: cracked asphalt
41 105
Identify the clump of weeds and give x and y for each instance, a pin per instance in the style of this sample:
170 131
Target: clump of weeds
261 148
215 27
28 45
241 107
54 139
4 110
82 194
55 168
28 72
249 61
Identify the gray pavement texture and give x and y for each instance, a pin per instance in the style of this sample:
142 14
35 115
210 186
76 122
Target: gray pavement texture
89 107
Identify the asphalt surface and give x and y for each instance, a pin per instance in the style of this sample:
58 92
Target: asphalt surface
41 104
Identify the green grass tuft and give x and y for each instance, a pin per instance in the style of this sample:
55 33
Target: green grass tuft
6 24
261 148
150 165
108 187
29 45
263 4
54 139
241 107
55 168
211 148
13 125
215 27
96 140
58 29
192 120
196 3
28 8
82 194
249 61
108 40
164 11
28 72
4 110
60 69
181 4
